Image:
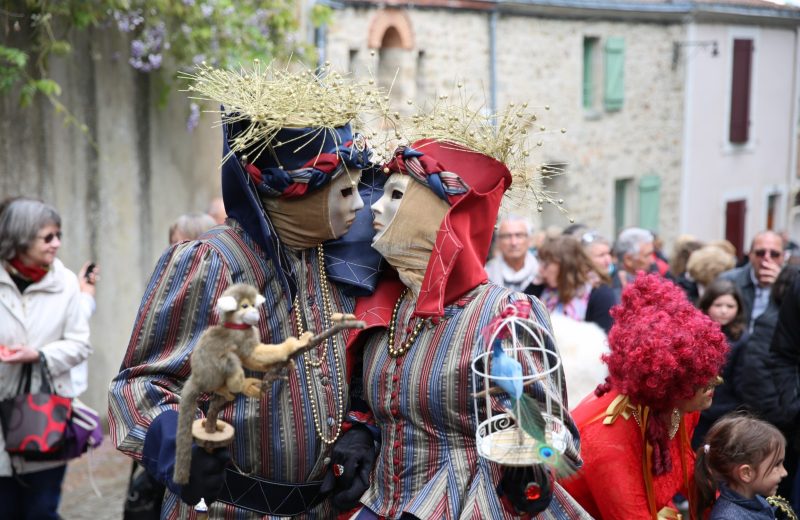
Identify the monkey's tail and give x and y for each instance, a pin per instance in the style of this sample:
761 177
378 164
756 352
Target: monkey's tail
183 437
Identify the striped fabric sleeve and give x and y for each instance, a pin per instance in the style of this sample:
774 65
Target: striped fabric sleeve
176 308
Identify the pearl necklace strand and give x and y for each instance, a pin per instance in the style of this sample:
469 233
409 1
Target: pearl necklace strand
397 352
327 312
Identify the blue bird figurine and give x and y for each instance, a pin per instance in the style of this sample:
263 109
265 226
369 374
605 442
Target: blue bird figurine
524 407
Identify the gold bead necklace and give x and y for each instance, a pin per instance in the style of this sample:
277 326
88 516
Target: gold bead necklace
327 312
675 421
397 352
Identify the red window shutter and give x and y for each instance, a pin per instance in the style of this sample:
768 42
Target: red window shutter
740 91
735 212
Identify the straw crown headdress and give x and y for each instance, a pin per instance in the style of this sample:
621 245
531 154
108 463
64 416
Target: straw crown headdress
504 137
292 130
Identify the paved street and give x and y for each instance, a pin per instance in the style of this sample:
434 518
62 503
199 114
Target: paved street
110 470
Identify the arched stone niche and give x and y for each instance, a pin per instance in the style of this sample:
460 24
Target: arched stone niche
391 36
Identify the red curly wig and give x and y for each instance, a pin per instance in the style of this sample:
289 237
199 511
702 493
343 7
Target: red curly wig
662 350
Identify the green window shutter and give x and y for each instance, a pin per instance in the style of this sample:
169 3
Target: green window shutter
649 201
589 46
620 201
614 93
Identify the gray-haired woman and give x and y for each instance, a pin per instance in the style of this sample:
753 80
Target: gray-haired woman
42 324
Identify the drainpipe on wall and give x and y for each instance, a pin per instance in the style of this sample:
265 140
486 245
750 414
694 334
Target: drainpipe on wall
320 44
493 61
791 174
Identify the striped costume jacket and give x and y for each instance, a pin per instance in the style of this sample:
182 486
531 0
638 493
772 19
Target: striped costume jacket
275 437
428 465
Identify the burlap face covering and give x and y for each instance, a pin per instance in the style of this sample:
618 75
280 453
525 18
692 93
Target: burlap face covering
306 222
408 240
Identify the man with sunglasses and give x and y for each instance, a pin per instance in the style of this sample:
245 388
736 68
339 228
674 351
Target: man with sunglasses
754 279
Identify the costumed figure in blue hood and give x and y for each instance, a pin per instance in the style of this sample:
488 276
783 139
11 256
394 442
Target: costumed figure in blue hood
292 185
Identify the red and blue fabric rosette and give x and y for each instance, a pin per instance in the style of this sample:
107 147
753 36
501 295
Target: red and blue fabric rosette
427 170
302 160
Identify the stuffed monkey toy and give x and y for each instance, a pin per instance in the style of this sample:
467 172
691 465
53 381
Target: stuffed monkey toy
217 366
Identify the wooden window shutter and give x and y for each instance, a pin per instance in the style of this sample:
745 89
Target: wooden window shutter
740 91
649 201
589 49
735 212
615 73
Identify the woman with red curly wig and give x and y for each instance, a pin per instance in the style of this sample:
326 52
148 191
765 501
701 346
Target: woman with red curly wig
663 364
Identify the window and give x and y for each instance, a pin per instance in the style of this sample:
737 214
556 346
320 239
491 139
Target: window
735 211
603 75
740 91
623 204
649 201
421 78
555 182
772 209
614 91
391 65
352 61
590 83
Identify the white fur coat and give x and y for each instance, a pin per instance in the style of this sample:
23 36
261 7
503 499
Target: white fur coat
580 344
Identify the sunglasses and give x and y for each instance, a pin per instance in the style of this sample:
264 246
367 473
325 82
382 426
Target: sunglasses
761 253
50 236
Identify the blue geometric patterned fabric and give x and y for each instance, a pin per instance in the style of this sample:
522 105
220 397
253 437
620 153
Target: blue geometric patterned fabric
350 260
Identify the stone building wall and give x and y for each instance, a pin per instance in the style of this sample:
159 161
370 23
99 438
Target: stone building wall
540 60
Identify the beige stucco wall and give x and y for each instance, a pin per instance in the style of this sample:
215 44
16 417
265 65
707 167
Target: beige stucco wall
116 201
540 60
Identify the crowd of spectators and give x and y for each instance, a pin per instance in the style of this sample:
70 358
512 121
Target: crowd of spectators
579 275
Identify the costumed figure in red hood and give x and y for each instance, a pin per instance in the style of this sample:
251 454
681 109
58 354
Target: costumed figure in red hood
664 360
291 184
434 225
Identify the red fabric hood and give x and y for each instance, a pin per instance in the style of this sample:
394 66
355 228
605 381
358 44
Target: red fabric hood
465 234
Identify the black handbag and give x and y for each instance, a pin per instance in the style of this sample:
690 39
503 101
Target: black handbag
145 495
34 424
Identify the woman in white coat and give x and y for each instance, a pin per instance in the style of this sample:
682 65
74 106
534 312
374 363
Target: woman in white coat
42 324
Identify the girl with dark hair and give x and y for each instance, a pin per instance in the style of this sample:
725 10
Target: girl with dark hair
742 461
722 302
572 284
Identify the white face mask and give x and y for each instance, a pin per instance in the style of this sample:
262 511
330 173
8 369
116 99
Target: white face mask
408 223
385 209
343 202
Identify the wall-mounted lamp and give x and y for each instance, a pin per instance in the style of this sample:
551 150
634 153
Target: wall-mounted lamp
677 46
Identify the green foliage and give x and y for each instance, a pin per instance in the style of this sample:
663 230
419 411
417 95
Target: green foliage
165 36
321 15
48 87
12 66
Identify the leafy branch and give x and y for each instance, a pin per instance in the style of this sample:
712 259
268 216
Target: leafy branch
166 36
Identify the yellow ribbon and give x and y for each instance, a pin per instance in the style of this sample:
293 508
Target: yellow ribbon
621 405
667 513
